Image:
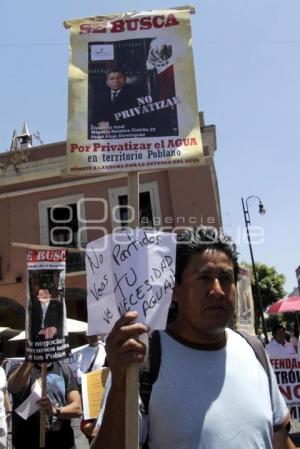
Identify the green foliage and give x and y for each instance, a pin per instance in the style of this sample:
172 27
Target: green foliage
271 285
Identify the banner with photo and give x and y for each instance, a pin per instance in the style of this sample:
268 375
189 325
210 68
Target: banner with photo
46 332
244 306
132 93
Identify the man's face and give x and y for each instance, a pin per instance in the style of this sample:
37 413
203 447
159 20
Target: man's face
43 295
280 335
115 80
206 295
92 340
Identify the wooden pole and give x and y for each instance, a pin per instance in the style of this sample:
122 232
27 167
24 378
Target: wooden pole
133 198
42 413
45 247
132 374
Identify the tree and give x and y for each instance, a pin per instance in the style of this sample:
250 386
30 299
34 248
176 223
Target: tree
271 285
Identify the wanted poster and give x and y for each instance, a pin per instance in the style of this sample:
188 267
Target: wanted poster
130 104
45 329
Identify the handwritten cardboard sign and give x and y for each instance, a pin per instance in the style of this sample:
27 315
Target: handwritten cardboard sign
130 270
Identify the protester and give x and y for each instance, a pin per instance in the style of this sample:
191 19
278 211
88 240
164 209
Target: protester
279 346
260 336
92 358
61 403
5 409
211 390
295 337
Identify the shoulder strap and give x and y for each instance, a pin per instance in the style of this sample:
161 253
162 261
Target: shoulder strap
149 375
90 368
258 349
65 371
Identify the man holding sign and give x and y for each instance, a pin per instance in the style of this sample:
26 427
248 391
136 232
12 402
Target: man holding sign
211 391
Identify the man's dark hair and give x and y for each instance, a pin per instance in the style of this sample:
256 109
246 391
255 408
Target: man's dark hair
276 327
196 240
114 70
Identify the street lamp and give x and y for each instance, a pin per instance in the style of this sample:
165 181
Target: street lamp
261 210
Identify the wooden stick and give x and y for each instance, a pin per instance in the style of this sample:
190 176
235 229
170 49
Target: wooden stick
45 247
131 409
132 374
133 198
42 413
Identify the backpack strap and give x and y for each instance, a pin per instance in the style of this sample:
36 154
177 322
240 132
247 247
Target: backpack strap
259 352
149 375
90 368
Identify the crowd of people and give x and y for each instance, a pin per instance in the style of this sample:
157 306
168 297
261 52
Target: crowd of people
209 389
61 403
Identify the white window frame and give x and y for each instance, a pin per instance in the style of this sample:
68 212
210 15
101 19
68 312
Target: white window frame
151 187
61 201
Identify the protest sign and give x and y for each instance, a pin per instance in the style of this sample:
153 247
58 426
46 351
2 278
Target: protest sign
131 107
93 384
287 372
30 406
130 270
45 327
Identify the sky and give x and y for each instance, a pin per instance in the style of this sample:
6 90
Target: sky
248 84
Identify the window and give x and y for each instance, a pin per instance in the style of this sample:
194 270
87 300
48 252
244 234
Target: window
60 223
150 214
63 225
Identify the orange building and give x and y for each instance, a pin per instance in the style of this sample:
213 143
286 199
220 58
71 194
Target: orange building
41 205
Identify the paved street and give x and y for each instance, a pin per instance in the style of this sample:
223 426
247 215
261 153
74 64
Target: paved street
81 441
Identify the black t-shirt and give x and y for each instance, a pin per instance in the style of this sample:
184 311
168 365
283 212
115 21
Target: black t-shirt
25 433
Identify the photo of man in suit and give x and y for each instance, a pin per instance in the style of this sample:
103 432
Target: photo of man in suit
118 95
46 316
